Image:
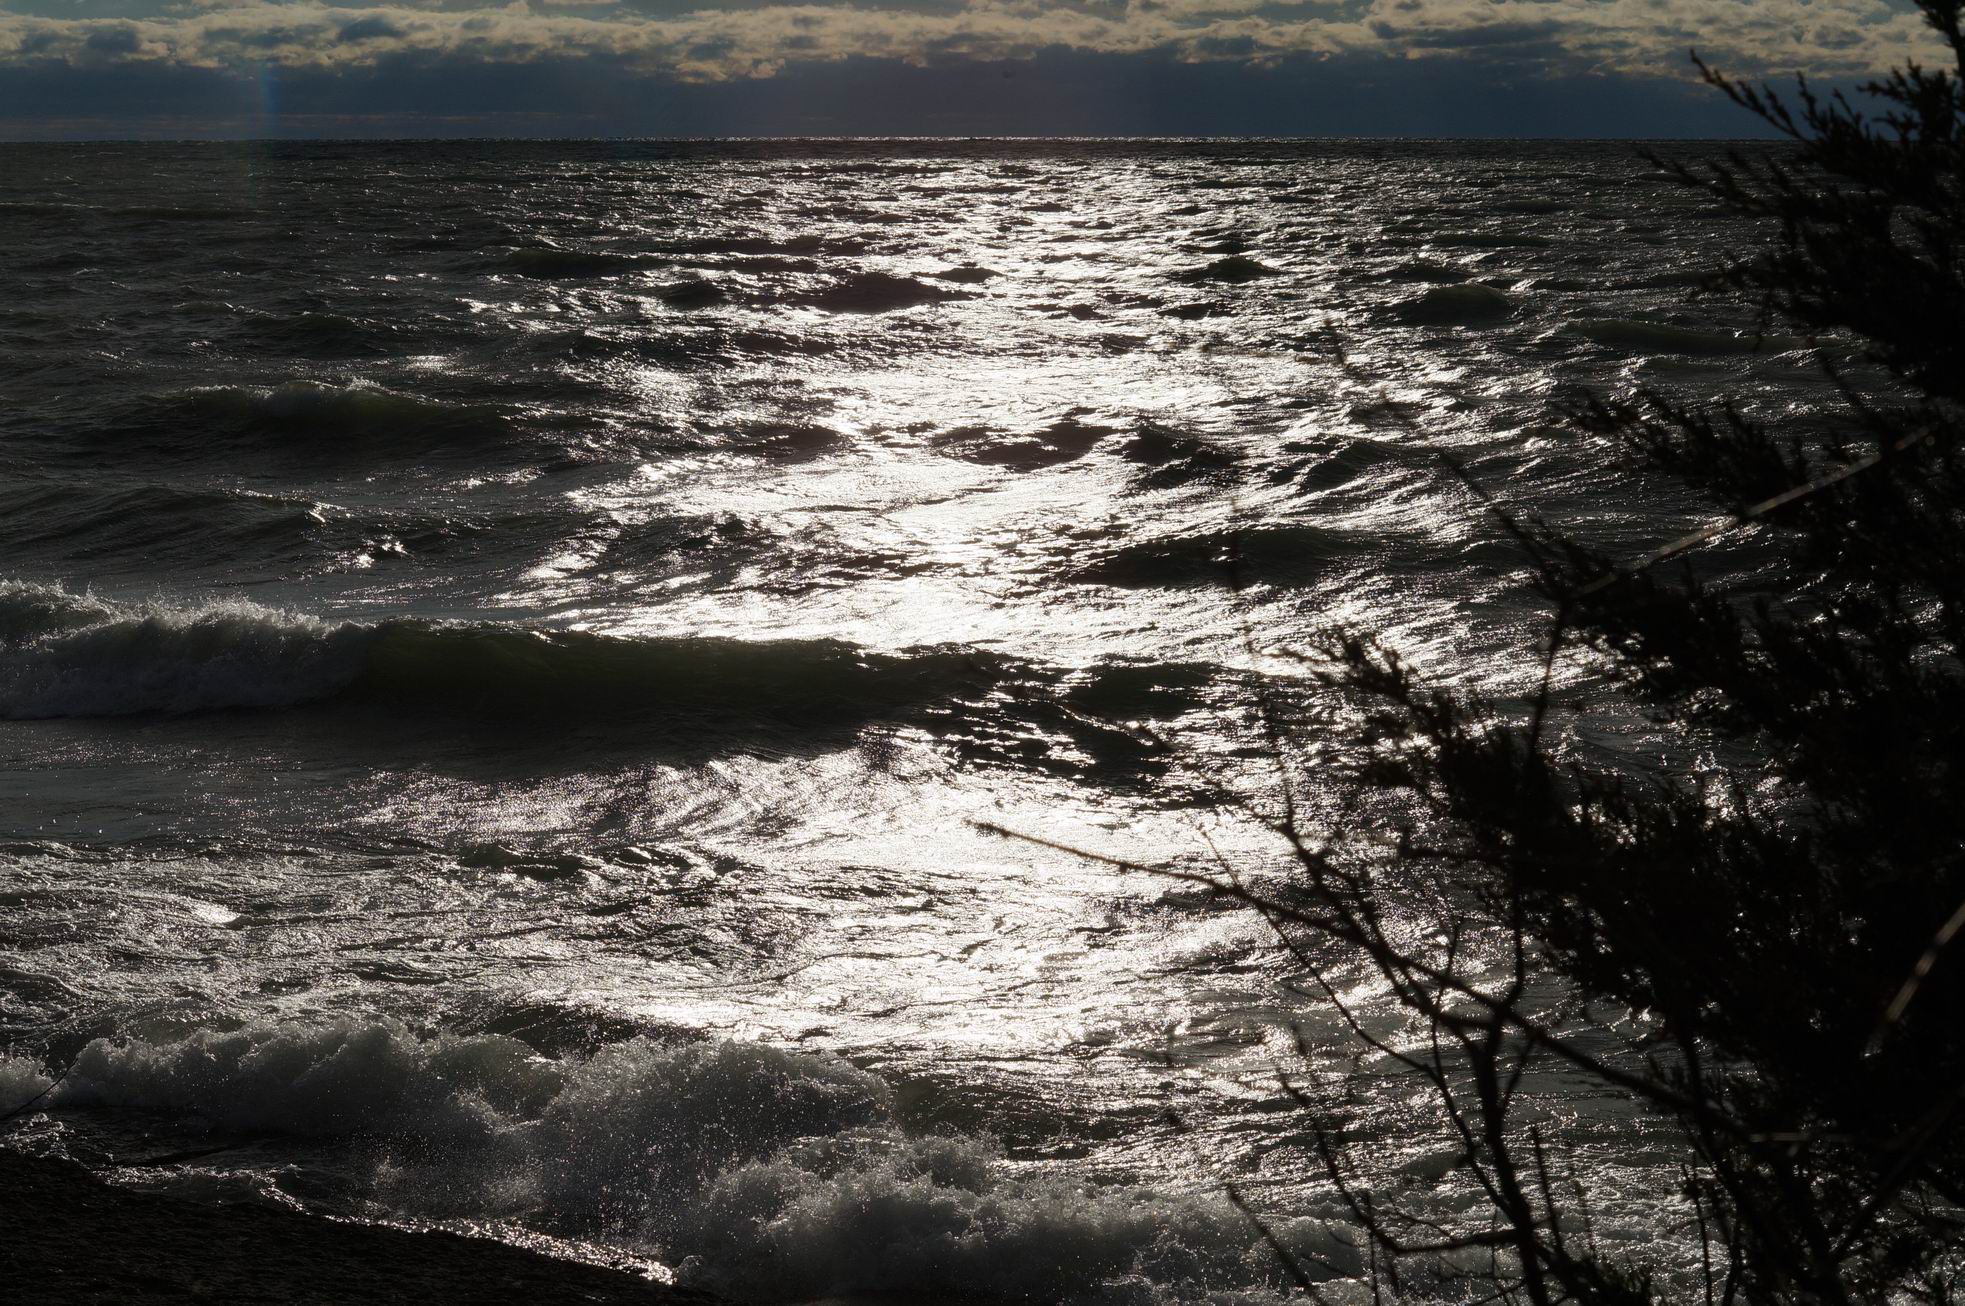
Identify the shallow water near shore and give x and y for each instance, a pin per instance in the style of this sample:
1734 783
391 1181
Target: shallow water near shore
513 656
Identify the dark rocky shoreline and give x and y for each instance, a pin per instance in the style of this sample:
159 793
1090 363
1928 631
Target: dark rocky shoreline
67 1237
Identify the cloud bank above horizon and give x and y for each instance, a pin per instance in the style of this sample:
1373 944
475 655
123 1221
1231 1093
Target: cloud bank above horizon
216 66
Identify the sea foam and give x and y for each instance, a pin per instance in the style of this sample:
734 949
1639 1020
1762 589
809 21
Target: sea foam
775 1174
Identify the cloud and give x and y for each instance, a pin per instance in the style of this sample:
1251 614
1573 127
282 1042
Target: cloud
375 27
679 67
112 39
756 39
1056 92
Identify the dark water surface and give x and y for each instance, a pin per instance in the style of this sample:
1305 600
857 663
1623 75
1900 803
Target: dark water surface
504 650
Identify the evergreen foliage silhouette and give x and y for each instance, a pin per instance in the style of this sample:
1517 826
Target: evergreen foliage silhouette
1784 918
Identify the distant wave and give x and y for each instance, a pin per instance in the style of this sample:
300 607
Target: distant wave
1422 270
771 1174
547 263
693 292
1491 239
78 655
1169 458
1276 554
142 212
1234 269
42 208
1063 441
1466 304
806 245
1330 467
156 522
82 656
968 274
878 292
305 419
312 417
1164 457
319 333
1664 338
183 212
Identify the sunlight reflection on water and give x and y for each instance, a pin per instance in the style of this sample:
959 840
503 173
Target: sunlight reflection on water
988 459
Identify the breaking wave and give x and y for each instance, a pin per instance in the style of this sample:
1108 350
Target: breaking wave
64 654
771 1174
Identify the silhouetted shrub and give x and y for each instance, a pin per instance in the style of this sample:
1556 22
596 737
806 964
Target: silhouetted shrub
1760 952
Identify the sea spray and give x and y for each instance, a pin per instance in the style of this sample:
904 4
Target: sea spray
432 406
775 1174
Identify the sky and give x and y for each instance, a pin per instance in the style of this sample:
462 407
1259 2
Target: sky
92 69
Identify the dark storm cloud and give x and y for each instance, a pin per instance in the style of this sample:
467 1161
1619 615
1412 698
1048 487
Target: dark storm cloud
1053 93
1471 38
368 29
608 61
679 8
113 40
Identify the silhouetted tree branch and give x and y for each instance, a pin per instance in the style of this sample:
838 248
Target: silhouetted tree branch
1771 916
1759 953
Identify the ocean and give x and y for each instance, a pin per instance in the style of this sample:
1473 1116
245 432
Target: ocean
515 659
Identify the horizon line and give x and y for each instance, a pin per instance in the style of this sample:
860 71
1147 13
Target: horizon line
892 138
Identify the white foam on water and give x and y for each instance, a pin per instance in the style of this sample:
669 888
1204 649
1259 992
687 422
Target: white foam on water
343 1078
949 1214
770 1174
23 1080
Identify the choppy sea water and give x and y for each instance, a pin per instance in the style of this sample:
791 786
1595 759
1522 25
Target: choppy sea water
507 652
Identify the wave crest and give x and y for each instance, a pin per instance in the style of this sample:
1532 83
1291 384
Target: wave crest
775 1174
312 417
1465 304
1667 338
948 1214
549 263
878 292
340 1079
65 654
